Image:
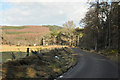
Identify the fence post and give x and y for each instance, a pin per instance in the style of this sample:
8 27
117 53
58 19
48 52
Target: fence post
27 52
13 56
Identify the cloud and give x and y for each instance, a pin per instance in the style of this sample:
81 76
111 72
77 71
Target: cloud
79 12
44 1
36 13
61 12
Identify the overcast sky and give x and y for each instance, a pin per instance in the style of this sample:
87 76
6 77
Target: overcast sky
41 12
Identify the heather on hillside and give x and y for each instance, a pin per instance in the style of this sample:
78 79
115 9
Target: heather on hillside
23 35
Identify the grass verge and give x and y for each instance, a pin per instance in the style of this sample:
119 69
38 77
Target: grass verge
111 54
42 65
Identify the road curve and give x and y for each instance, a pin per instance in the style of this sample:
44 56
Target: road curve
92 66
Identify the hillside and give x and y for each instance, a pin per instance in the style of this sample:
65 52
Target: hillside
53 27
25 35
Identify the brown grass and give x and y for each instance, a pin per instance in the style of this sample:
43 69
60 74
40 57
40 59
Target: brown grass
25 36
30 72
33 67
6 48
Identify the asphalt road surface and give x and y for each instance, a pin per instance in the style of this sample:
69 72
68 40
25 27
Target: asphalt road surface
91 65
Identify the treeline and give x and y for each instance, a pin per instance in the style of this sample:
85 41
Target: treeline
53 27
69 35
102 26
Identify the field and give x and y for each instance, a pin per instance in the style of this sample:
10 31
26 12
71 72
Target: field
6 48
18 39
21 51
24 35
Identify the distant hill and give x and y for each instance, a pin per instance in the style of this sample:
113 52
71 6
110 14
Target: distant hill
26 35
53 27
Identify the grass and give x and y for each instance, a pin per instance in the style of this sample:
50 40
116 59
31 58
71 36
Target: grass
9 33
44 65
111 54
13 27
20 51
18 32
7 48
6 56
15 32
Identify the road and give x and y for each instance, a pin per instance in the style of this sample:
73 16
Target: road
91 65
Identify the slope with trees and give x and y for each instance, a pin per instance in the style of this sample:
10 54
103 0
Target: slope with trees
69 35
102 28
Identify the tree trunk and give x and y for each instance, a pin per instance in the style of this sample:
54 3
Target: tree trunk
119 28
78 40
109 27
96 46
97 25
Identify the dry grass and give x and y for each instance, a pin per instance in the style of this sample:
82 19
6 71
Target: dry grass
6 48
30 72
34 67
27 35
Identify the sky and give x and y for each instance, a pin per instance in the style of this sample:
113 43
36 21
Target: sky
41 12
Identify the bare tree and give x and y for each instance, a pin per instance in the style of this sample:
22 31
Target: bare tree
69 25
